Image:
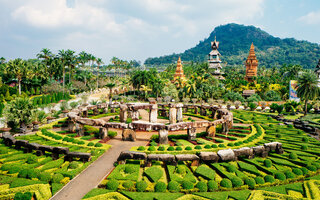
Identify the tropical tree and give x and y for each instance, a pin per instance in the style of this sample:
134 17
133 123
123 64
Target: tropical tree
307 88
45 56
145 89
19 112
18 68
99 62
110 86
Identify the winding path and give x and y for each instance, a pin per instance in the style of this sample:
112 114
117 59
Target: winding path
96 172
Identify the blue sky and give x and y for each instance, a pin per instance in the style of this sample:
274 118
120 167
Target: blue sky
138 29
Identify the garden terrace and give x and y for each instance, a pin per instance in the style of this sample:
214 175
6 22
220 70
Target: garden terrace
291 175
40 175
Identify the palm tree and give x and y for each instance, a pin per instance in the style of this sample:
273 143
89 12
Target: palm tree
45 55
20 69
99 62
110 86
307 88
63 57
145 90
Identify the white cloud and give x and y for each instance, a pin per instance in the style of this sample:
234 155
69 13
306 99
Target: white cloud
312 18
133 29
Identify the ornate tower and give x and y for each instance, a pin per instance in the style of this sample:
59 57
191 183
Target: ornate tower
214 60
251 65
317 71
179 70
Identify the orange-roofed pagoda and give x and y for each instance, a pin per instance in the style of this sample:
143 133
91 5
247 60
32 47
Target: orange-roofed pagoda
251 65
179 70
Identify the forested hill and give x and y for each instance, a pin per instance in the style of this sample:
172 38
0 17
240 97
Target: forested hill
235 41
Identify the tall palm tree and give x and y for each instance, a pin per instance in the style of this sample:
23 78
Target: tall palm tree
99 62
110 86
63 59
145 90
45 55
20 69
307 88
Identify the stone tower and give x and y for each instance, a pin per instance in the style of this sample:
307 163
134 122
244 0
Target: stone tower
179 70
214 60
251 65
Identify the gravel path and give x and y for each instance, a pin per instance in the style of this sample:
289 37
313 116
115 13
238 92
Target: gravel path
96 172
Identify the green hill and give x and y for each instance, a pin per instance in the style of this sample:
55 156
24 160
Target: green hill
235 41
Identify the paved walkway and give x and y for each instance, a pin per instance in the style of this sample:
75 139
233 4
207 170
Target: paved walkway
94 174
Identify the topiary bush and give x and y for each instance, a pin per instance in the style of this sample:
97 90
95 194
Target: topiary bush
267 163
73 165
129 169
226 183
269 178
212 186
304 170
250 182
128 185
202 186
112 134
98 145
304 147
198 147
280 176
174 186
45 176
178 148
207 146
293 156
312 168
171 148
188 185
214 146
188 148
305 139
236 181
181 169
161 148
222 145
160 187
231 168
112 185
289 174
297 171
90 144
56 178
141 186
141 148
259 180
32 159
151 148
23 196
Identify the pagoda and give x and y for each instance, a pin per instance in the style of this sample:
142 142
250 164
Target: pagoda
179 70
251 65
214 60
317 71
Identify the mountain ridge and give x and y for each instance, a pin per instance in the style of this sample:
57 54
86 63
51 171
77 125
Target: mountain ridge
235 41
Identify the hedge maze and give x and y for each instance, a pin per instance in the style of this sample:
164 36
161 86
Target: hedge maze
291 175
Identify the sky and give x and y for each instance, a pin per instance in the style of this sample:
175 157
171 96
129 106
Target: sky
138 29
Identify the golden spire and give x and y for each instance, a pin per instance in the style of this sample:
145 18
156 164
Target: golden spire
179 70
251 65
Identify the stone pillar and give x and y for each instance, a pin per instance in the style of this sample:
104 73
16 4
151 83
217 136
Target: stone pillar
179 112
105 109
71 126
153 115
211 130
85 113
225 128
163 136
213 115
192 134
135 115
172 114
203 111
80 130
112 109
103 132
195 110
96 111
123 113
129 135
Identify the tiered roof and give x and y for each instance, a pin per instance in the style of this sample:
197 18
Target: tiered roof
214 59
179 70
251 64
